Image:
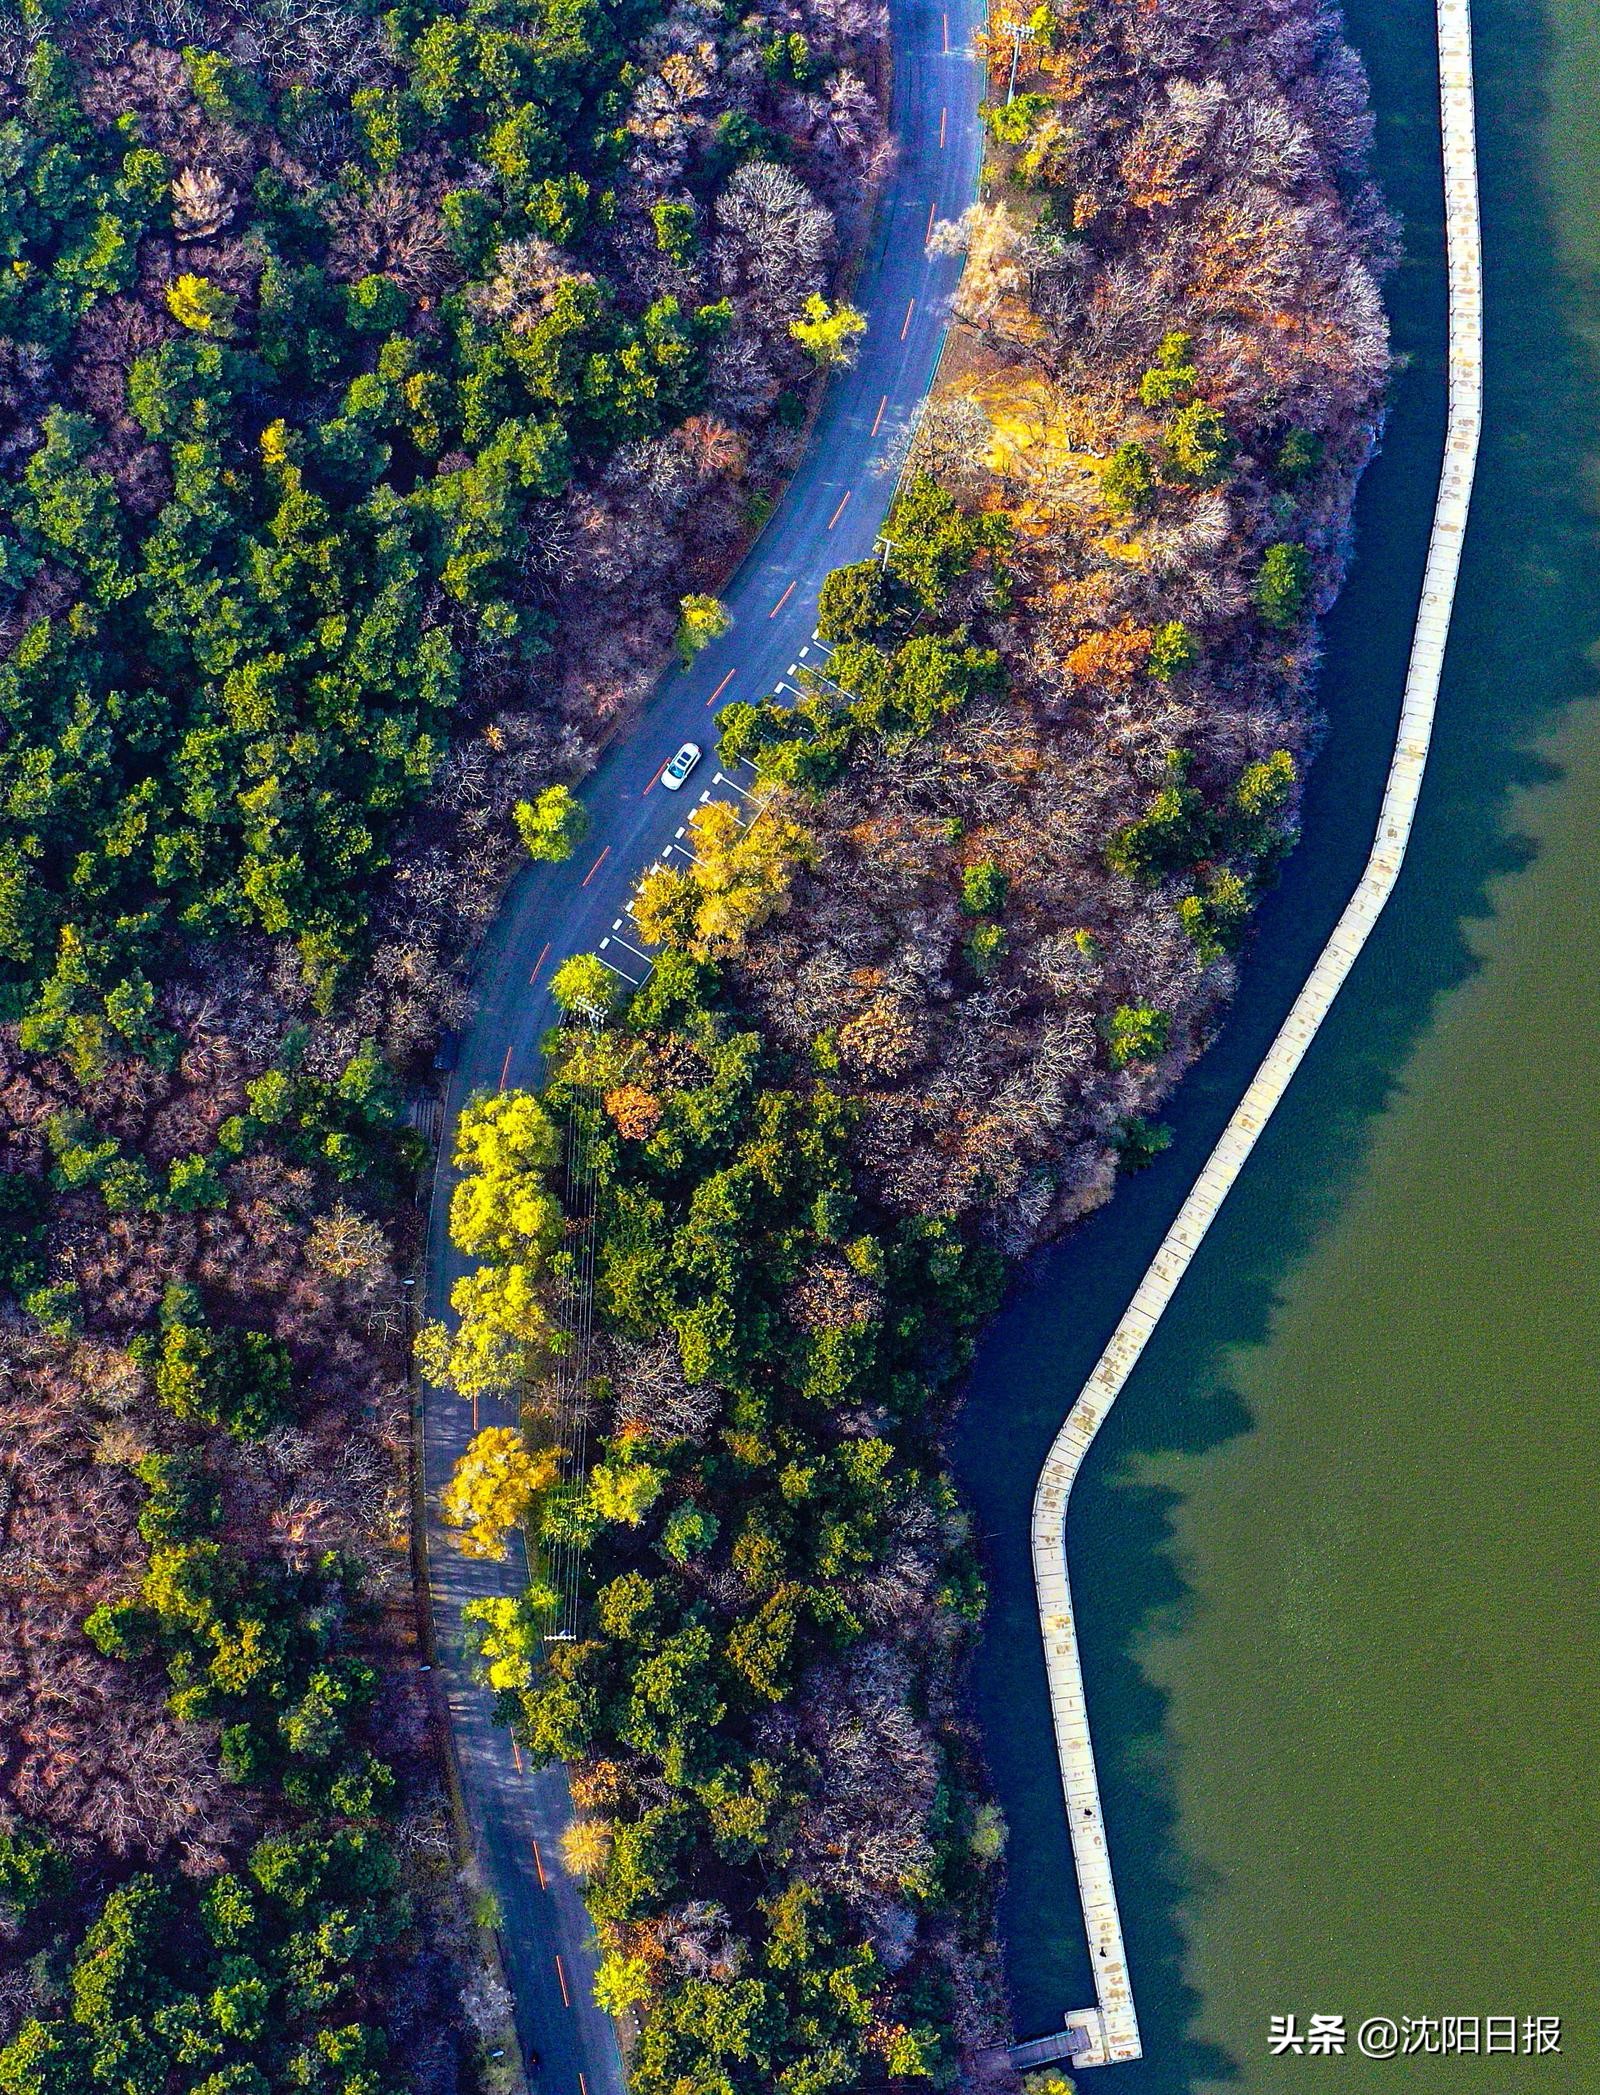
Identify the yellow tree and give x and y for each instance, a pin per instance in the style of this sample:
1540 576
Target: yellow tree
664 907
828 333
505 1332
198 304
743 874
740 877
503 1207
585 1847
491 1489
504 1214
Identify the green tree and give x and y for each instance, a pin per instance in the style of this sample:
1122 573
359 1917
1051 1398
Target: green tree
240 1380
1172 651
1175 830
1197 443
674 224
701 619
1127 480
854 602
33 1872
1137 1033
689 1532
1258 803
1300 457
1282 585
1138 1142
1215 918
1172 378
585 986
622 1489
983 889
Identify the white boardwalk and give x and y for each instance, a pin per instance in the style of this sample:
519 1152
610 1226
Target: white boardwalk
1109 2031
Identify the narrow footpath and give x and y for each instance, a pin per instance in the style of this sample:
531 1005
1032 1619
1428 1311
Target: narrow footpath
1109 2032
831 513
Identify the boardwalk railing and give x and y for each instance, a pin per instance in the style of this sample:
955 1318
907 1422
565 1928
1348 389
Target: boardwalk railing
1109 2031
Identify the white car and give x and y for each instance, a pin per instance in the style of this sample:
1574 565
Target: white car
680 767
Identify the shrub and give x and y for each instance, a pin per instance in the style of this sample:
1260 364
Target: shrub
1012 123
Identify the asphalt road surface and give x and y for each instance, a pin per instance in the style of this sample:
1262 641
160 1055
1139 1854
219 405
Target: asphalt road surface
830 514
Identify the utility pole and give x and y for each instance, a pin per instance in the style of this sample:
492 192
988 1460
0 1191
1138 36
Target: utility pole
1021 33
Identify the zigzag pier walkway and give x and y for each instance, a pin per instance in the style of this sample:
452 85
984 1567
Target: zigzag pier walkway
1108 2032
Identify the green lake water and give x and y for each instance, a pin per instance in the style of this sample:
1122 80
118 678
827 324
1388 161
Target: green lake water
1337 1555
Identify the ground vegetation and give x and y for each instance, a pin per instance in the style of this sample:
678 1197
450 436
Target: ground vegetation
351 361
915 1003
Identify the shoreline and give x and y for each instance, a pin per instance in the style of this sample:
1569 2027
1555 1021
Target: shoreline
1111 2027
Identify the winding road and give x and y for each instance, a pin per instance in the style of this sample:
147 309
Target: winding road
830 514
